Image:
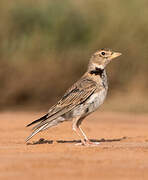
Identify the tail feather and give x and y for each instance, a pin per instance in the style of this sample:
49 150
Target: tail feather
43 118
35 132
42 126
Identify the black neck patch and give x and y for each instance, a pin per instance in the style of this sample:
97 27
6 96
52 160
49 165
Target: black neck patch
97 71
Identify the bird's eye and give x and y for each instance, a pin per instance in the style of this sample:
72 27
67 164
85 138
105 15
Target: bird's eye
103 53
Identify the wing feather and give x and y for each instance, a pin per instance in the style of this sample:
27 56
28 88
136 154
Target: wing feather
73 97
78 94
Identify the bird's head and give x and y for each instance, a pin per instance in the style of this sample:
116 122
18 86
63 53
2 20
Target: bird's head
101 58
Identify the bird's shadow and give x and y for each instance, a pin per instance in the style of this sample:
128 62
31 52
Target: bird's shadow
44 141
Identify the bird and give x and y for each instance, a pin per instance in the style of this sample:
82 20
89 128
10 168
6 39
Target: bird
81 99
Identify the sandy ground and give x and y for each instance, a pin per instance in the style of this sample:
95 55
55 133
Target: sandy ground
122 153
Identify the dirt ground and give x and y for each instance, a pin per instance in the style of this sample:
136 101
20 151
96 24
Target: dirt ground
122 153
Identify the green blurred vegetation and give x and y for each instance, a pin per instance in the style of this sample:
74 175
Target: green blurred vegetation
45 47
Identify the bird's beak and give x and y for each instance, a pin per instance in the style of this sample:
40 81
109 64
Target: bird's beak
115 54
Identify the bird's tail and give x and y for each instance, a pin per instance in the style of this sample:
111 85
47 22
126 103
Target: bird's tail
43 125
43 118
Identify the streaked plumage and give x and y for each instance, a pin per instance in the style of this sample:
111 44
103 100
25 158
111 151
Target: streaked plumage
84 97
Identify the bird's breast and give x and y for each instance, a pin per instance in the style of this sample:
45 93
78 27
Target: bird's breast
96 100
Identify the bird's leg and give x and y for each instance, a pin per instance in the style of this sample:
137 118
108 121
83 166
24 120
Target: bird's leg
85 137
77 130
87 141
84 140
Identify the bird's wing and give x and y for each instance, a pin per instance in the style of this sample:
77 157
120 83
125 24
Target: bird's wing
73 97
76 95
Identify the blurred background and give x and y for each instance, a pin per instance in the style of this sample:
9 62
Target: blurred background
45 46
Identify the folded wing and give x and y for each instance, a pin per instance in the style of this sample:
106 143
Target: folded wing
74 96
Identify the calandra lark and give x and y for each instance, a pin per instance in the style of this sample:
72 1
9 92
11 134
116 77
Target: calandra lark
84 97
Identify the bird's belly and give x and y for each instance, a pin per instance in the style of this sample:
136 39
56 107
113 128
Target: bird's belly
96 100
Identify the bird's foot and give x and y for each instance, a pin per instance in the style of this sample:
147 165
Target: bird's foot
87 143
